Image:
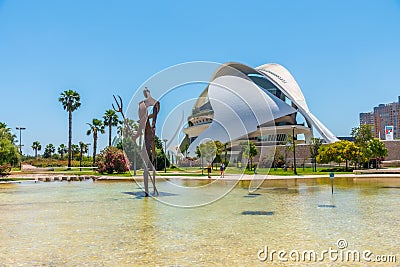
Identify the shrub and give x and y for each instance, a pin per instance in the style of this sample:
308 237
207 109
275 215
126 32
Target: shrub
112 159
5 169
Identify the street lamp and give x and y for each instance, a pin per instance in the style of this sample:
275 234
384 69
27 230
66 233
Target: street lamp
294 151
165 155
20 144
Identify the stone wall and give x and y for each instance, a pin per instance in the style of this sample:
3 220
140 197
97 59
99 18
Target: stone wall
393 148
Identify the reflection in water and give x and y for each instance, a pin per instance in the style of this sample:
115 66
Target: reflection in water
78 223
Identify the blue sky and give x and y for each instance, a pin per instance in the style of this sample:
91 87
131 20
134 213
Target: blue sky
344 54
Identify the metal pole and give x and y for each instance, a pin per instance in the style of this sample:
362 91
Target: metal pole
202 166
134 158
20 144
80 161
294 152
165 155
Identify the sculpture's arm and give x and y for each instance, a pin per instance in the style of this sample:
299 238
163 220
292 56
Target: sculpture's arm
156 109
142 112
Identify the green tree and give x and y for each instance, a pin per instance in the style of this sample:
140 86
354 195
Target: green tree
348 151
376 149
362 136
338 152
82 149
249 150
110 118
9 155
315 143
226 153
125 132
5 133
207 150
218 152
62 149
160 155
70 101
48 150
327 153
37 147
94 128
75 151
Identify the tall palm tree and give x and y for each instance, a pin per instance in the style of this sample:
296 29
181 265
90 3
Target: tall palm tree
36 146
110 118
71 102
62 149
94 128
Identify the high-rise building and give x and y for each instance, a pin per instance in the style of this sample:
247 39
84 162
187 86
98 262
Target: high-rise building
382 116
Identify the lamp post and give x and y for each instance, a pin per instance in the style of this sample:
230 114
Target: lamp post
20 144
165 155
294 151
80 160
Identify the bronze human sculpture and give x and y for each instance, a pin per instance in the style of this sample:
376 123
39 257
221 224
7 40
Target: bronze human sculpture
147 123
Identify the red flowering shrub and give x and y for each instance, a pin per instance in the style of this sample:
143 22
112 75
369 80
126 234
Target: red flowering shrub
112 159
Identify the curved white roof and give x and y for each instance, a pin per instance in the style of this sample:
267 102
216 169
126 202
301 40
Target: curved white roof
289 86
240 105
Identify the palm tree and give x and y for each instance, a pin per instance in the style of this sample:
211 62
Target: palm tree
36 146
83 148
5 133
95 127
110 118
71 102
75 151
48 150
61 150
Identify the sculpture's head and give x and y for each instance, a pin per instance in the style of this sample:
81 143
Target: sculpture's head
146 92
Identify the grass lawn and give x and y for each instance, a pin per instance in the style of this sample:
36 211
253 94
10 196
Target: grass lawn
188 171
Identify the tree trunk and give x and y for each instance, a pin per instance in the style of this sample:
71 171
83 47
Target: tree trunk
109 133
94 147
69 138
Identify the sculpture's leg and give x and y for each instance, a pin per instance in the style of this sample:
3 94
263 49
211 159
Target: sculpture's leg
146 180
155 191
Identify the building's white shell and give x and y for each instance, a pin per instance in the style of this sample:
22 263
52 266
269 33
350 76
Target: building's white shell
241 106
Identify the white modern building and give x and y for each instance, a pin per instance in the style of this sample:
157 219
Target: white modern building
263 104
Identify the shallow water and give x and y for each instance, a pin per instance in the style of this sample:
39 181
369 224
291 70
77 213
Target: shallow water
111 224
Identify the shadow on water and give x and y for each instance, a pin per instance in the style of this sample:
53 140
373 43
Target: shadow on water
326 206
252 195
257 212
141 194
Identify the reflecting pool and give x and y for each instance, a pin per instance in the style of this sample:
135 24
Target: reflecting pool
111 224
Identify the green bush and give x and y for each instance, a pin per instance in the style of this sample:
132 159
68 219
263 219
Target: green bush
112 159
